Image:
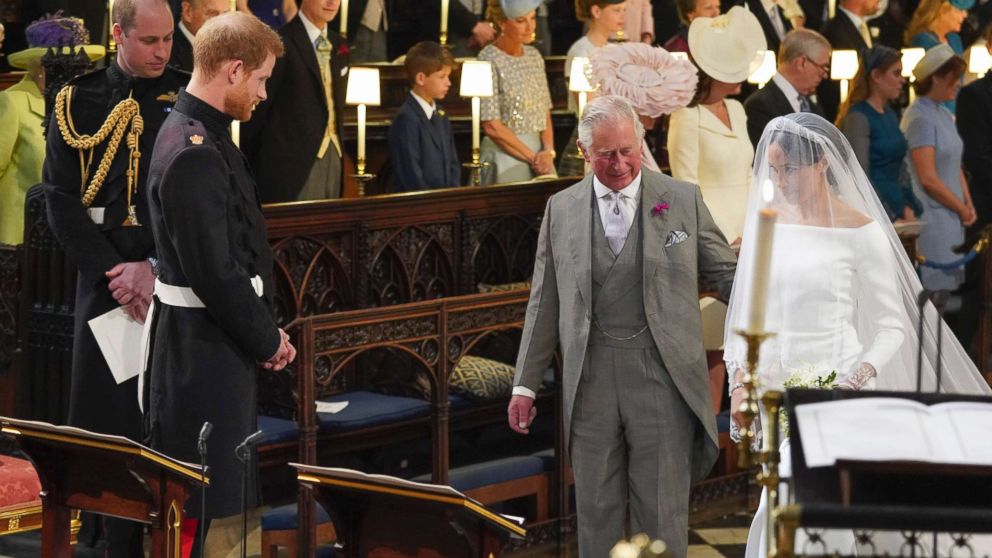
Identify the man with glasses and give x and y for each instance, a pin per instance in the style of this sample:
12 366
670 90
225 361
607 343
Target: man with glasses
803 62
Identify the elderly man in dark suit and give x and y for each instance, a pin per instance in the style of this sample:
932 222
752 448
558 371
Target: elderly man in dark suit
294 140
803 62
847 30
193 14
616 286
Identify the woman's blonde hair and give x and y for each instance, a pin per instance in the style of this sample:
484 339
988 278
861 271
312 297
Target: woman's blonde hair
494 12
876 58
924 17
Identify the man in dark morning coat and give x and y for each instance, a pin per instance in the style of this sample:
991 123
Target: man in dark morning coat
422 147
844 34
293 142
803 60
105 231
193 14
212 323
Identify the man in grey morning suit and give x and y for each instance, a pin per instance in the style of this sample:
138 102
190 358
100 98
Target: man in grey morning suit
615 284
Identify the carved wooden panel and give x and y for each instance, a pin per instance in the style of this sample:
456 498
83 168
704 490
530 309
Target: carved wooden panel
9 287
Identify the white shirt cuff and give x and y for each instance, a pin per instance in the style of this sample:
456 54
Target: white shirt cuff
526 392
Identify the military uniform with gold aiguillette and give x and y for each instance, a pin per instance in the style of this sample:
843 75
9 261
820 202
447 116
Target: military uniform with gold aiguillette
99 145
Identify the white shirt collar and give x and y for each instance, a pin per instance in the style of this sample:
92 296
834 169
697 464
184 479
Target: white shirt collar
428 108
312 30
185 31
630 190
858 20
788 90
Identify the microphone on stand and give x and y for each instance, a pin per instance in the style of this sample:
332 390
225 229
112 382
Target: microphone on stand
921 304
243 453
940 299
201 446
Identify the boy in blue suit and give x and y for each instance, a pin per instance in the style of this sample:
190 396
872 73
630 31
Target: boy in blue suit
421 146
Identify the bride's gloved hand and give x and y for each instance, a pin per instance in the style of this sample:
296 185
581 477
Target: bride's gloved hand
859 378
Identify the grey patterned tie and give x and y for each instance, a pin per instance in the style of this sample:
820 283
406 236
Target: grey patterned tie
616 226
803 103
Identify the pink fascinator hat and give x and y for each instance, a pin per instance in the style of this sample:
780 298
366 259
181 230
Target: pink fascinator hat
653 80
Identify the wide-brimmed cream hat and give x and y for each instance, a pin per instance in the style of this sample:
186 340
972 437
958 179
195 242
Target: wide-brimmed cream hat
727 47
54 31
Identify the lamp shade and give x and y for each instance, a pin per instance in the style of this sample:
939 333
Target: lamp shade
843 64
577 78
363 86
477 79
910 58
765 70
980 60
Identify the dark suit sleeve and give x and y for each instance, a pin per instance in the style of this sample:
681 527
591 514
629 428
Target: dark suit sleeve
85 245
717 263
251 131
540 335
975 127
194 196
758 116
405 151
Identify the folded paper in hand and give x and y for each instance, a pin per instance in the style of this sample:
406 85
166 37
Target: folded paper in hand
892 429
119 339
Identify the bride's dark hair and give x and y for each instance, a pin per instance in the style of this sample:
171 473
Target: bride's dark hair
805 137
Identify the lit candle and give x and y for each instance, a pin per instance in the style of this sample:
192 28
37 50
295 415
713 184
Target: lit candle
361 133
764 235
344 17
236 133
444 17
476 121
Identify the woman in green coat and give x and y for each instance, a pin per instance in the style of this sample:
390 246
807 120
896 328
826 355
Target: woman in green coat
22 108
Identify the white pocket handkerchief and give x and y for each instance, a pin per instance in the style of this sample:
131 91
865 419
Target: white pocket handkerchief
676 237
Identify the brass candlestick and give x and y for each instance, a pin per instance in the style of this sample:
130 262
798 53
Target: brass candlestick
770 459
361 176
749 408
476 166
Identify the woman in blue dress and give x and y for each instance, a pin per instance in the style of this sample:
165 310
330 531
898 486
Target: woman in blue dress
935 150
937 22
872 127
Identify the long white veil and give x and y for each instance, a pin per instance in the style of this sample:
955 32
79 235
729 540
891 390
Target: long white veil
842 291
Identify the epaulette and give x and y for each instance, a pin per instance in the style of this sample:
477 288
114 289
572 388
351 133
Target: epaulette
83 78
195 133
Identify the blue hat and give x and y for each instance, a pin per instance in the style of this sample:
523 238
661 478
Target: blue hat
963 4
519 8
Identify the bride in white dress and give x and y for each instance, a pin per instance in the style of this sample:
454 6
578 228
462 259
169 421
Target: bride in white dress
842 292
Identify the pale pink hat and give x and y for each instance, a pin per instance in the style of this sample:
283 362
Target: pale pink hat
653 80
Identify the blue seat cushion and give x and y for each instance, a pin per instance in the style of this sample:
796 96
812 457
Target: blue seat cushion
547 458
723 422
277 430
491 472
367 409
325 551
284 518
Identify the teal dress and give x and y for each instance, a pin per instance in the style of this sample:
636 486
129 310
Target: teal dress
886 154
928 40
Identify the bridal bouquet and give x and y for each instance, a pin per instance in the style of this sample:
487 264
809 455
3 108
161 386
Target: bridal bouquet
804 379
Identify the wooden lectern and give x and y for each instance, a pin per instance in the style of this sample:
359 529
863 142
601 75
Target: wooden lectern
109 475
908 498
382 516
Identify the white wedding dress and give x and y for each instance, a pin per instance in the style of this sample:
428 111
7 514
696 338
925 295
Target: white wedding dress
842 297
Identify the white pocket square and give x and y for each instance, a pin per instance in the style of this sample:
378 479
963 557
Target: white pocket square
676 237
